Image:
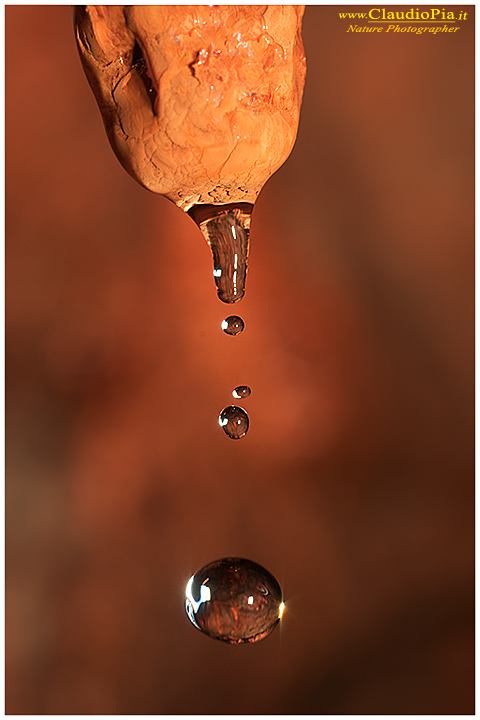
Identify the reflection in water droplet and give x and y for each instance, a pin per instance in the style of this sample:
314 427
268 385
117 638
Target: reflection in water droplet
234 600
232 325
226 229
234 421
241 391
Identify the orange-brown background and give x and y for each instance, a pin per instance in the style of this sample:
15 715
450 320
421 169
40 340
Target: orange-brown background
354 485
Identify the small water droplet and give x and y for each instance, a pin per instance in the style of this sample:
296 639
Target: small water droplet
234 421
234 600
226 229
233 325
241 391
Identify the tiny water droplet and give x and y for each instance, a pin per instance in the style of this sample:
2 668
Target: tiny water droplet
233 325
234 421
226 229
241 391
234 600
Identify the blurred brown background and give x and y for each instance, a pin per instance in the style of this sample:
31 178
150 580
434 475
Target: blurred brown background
354 485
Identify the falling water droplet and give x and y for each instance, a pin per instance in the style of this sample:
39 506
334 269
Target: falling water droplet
233 325
226 229
234 421
241 391
234 600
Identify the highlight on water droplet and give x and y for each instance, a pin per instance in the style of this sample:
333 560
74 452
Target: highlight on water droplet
234 422
234 600
233 325
241 391
226 229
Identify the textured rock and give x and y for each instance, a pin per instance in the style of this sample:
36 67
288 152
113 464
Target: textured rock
201 103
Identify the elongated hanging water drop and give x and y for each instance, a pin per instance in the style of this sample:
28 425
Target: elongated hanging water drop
233 325
234 600
226 229
234 421
241 391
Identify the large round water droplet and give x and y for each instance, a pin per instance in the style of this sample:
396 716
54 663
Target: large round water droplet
233 325
234 421
234 600
241 391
